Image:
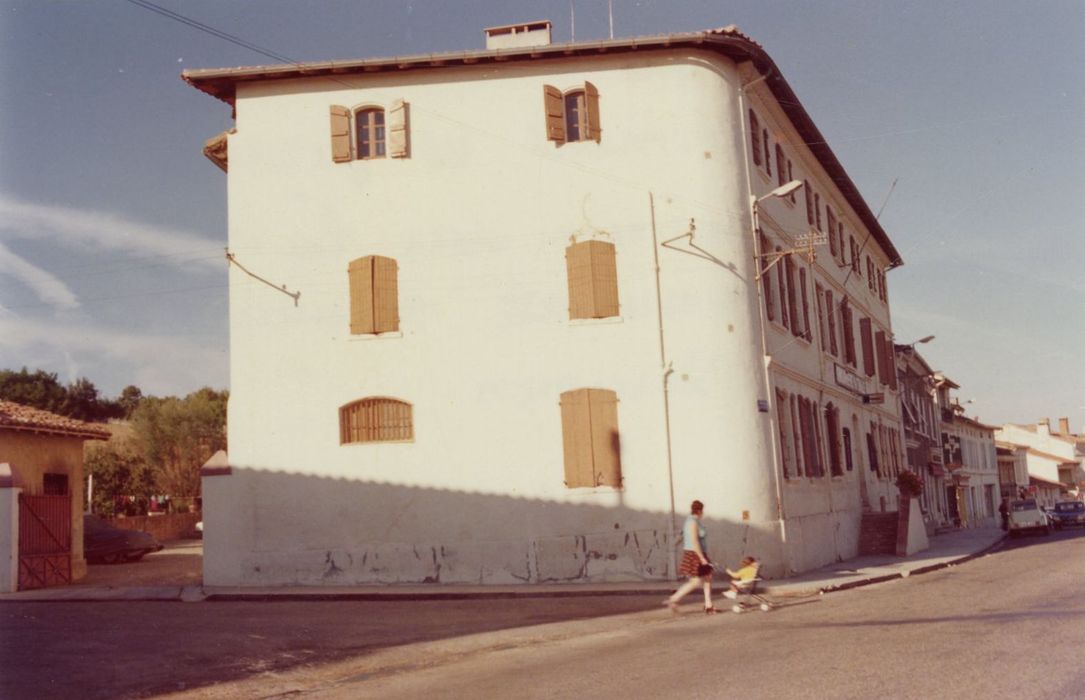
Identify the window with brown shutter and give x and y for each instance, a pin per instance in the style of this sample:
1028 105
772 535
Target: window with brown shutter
830 313
879 354
849 332
755 138
369 124
869 274
796 435
832 438
781 166
590 438
809 195
806 332
376 419
573 115
890 364
592 270
868 346
784 425
340 130
766 147
817 211
790 177
832 232
785 317
374 295
823 328
766 280
792 300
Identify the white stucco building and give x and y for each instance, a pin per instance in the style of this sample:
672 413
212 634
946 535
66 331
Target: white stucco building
973 491
1052 456
501 318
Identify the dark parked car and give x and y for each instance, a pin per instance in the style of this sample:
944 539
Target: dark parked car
1067 513
104 543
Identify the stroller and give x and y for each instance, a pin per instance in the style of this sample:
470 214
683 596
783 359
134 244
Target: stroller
745 594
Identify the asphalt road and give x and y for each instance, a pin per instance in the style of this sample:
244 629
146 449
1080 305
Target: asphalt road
1004 625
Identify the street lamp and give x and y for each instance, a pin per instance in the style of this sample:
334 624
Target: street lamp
924 339
755 208
781 191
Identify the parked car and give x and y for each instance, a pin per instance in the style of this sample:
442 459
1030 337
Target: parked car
104 543
1026 515
1067 513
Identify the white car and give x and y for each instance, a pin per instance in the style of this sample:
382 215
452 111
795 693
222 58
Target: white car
1026 515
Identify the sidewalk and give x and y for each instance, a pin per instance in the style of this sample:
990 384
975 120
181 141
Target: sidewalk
946 549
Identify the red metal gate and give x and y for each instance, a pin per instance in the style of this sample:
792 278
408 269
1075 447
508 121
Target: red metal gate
45 541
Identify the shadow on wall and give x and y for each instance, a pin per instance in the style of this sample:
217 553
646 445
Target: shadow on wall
274 528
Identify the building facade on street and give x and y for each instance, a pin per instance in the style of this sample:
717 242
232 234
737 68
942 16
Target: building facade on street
1013 478
1054 457
973 492
498 316
922 433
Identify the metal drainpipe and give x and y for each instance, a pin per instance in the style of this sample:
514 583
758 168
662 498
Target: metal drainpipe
667 370
762 320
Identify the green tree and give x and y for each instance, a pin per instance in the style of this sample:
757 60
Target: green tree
118 469
38 390
176 436
129 399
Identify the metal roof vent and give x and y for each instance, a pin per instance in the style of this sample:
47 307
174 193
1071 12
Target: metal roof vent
513 36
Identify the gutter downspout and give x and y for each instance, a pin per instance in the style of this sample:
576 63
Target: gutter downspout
770 395
667 371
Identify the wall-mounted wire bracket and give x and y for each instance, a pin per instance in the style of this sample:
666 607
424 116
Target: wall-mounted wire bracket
231 260
804 245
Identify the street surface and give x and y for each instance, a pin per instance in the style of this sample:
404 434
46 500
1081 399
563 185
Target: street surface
1004 625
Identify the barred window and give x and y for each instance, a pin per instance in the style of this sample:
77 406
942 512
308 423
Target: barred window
376 419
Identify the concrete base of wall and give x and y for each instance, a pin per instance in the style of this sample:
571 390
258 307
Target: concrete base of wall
911 531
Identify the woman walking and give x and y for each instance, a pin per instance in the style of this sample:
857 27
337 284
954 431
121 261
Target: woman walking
695 563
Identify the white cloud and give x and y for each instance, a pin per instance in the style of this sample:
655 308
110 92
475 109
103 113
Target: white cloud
158 364
102 230
48 287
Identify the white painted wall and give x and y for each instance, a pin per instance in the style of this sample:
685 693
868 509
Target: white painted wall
478 219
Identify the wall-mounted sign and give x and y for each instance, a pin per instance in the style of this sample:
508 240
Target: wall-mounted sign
848 379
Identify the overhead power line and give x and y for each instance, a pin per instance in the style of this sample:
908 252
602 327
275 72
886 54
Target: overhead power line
200 26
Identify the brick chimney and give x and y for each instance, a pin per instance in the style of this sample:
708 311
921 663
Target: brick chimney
1044 426
1064 426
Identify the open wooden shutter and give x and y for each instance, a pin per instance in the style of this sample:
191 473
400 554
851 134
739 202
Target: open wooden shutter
554 104
890 364
868 346
576 438
879 347
360 273
578 269
399 130
385 295
340 129
605 441
591 106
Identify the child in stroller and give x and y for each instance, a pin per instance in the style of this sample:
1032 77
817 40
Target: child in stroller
744 586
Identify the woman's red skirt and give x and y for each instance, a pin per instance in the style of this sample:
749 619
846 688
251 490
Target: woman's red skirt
690 564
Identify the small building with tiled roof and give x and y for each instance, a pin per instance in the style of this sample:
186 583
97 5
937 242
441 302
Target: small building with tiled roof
41 486
1054 456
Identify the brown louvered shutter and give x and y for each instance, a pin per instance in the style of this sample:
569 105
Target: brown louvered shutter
868 346
605 440
340 129
576 438
792 301
830 312
360 274
578 268
766 146
766 280
781 276
781 168
809 196
591 106
890 364
807 333
554 105
604 275
755 138
849 332
385 295
879 347
831 218
823 329
399 130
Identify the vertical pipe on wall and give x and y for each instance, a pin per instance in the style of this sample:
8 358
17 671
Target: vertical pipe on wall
673 561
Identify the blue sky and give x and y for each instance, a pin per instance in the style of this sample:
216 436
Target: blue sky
113 225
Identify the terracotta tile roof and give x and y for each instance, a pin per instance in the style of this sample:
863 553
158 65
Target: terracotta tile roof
14 416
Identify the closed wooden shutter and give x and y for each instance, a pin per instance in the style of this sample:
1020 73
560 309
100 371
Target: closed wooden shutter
385 295
831 218
808 194
576 438
868 346
399 130
340 130
879 347
554 105
606 443
792 302
806 332
592 271
604 273
785 317
765 145
890 364
591 106
360 274
755 138
823 328
849 332
830 310
781 167
766 279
